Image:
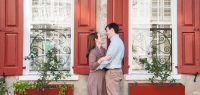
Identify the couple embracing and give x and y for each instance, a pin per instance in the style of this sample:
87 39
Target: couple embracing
105 65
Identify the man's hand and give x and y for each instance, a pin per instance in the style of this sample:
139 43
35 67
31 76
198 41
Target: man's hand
105 58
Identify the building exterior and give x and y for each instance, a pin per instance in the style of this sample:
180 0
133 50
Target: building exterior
66 24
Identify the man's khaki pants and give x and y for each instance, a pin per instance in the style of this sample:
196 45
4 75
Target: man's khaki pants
113 79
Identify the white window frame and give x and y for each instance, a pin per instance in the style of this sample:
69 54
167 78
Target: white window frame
140 75
26 44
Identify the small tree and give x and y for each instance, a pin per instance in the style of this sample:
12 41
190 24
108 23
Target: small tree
47 71
152 64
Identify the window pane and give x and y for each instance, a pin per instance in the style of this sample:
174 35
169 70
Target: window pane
51 10
141 11
167 3
151 11
154 15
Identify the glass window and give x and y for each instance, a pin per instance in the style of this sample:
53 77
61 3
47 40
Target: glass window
50 28
151 31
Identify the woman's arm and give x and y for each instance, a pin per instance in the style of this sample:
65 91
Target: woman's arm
93 62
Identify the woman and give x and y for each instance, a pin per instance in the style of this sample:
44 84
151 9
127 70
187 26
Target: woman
96 53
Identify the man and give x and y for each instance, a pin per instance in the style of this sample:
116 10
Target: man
116 52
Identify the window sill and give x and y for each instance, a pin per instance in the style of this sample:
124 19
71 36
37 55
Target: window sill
35 77
145 76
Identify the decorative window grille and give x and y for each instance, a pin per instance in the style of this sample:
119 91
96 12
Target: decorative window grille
51 23
151 29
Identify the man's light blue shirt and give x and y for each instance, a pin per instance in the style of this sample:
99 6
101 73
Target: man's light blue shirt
116 51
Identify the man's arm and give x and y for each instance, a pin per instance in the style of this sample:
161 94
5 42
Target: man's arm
112 52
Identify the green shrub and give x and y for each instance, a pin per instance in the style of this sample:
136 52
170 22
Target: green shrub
3 87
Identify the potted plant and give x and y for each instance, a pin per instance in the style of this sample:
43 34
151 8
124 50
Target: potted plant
161 82
48 71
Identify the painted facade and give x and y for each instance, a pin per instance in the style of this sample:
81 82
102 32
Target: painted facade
80 80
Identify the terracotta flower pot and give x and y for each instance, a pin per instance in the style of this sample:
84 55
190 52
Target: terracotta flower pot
150 89
48 91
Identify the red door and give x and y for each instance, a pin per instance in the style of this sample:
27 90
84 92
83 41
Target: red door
117 11
84 24
11 33
188 36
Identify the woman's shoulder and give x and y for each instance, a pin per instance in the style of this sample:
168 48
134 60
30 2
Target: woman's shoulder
93 51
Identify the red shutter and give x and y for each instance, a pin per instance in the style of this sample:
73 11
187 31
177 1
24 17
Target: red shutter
188 36
85 23
118 12
11 33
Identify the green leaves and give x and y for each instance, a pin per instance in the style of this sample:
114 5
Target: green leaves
21 86
63 88
31 56
3 87
161 71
